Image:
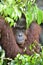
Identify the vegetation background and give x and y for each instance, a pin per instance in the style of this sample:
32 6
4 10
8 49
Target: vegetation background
11 10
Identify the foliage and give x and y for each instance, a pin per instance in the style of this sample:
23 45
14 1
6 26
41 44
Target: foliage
35 59
11 10
2 55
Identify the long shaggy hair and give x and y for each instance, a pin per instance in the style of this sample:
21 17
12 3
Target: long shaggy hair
8 42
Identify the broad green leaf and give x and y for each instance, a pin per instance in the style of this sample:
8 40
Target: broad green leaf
29 18
17 11
8 11
1 7
9 20
39 17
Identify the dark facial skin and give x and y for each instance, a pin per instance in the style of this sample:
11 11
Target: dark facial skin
20 36
20 31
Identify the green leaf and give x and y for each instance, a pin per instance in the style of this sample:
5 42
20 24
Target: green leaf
1 7
8 11
39 17
17 11
29 18
9 20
